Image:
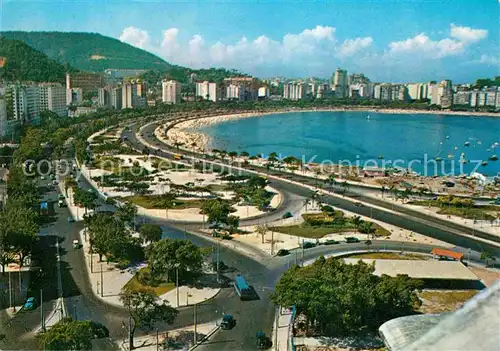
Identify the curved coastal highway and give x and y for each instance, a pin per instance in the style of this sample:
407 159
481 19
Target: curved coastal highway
401 217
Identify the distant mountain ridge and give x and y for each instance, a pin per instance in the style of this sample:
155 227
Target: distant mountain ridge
23 63
89 51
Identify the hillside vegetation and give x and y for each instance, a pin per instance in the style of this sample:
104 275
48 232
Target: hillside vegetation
89 51
27 64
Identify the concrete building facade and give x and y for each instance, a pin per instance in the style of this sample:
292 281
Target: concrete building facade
171 92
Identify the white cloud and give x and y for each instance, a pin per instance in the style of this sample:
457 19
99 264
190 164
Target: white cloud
351 46
169 46
421 44
488 60
135 36
424 47
467 34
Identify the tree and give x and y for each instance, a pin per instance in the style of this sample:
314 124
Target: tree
232 154
69 183
145 310
356 220
217 210
487 256
167 255
86 199
339 299
150 233
233 222
262 230
367 228
127 212
244 154
68 334
21 228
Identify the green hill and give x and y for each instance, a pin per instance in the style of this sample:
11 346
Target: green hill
89 51
23 63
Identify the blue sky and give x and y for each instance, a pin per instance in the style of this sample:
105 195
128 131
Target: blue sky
387 40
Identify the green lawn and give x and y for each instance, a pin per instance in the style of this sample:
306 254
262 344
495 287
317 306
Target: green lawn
149 202
478 212
134 284
317 232
390 256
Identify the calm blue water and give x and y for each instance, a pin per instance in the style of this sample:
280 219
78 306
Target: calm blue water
338 136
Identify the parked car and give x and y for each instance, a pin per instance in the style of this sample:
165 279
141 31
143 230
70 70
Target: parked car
30 304
61 197
228 322
263 341
76 244
70 219
331 242
308 245
287 215
359 204
351 239
283 252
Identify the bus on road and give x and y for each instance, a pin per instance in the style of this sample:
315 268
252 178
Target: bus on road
242 288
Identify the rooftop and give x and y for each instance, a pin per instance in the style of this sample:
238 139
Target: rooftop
419 269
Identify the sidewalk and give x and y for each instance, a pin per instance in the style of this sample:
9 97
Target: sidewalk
107 281
282 322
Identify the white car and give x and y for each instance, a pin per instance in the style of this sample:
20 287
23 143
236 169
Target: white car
76 244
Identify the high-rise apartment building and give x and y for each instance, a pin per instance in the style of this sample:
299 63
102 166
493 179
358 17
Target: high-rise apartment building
116 98
171 92
357 78
433 96
386 92
133 95
340 83
84 80
3 115
242 88
322 91
53 98
22 106
208 91
295 91
399 92
462 98
445 93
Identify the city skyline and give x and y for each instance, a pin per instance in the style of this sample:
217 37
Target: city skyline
394 42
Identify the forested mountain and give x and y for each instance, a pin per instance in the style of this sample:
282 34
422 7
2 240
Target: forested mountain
24 63
89 51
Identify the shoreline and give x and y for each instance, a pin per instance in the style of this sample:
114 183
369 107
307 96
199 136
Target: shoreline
188 133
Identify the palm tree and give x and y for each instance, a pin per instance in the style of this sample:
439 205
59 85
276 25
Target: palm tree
262 230
306 202
356 220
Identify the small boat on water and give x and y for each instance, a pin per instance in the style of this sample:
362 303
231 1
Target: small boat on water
484 163
493 158
438 159
447 137
368 117
450 156
467 143
464 161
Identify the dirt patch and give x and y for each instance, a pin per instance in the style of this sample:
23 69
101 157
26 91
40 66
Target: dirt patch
439 301
391 256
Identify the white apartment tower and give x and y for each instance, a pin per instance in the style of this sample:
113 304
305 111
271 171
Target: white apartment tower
53 98
208 91
171 92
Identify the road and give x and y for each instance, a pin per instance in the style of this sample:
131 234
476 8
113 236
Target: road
261 272
404 218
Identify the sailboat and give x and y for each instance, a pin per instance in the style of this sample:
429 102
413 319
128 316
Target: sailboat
368 117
